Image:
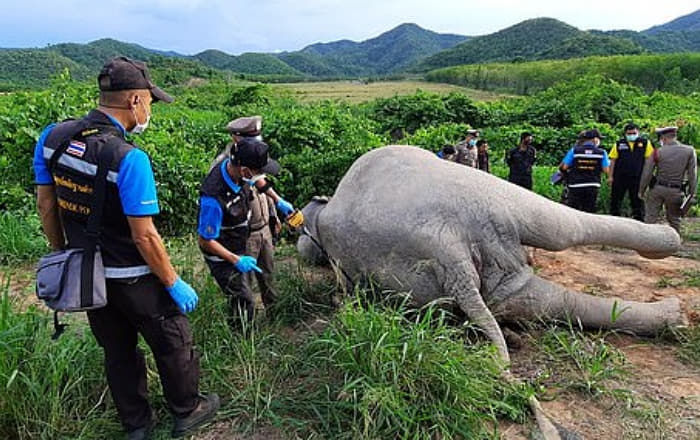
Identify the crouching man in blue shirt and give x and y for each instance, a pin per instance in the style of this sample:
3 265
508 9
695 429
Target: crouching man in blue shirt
224 212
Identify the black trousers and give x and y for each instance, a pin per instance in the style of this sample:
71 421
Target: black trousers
233 283
626 185
142 305
521 180
583 199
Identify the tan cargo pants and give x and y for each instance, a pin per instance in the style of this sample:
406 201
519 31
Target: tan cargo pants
668 198
260 247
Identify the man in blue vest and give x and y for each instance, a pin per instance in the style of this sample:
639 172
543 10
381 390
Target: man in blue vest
144 293
584 163
224 214
627 159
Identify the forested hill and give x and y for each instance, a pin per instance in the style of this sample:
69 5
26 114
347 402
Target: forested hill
686 23
390 52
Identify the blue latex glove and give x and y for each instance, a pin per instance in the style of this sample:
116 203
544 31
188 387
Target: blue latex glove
184 296
285 207
247 264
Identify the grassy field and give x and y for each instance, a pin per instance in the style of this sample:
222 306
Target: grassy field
357 91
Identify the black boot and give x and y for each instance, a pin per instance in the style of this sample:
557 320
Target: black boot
205 410
143 433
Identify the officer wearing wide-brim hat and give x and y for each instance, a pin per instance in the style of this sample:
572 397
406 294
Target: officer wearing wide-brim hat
239 128
675 164
144 293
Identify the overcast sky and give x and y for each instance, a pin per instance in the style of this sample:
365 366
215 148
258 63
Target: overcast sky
236 26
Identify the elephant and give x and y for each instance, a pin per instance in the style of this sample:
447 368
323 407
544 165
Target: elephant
442 231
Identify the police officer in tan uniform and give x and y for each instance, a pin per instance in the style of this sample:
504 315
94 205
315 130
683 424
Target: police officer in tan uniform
466 150
249 126
262 223
673 162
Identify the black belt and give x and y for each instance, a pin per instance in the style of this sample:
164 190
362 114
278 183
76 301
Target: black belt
259 228
669 185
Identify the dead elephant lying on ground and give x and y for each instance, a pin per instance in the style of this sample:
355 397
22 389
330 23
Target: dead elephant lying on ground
442 231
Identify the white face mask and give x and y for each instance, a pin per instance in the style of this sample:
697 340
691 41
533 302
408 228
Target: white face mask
140 128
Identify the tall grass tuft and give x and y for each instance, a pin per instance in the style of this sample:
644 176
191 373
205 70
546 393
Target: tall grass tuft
48 389
20 237
380 372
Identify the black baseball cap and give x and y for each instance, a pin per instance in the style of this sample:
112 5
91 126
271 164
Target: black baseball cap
592 134
122 73
252 153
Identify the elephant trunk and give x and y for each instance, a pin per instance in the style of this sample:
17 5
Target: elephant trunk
541 299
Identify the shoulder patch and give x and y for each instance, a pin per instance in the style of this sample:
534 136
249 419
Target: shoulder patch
76 148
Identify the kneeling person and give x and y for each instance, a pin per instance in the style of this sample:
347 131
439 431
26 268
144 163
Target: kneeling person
224 214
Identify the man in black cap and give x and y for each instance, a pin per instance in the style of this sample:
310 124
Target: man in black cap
224 214
675 165
583 164
144 293
520 160
627 159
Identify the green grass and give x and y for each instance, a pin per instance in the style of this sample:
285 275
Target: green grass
357 91
582 362
20 237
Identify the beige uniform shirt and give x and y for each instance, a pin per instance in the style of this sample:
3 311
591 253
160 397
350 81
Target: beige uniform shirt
261 209
466 155
675 163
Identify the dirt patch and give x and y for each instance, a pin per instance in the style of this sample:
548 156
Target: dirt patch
660 397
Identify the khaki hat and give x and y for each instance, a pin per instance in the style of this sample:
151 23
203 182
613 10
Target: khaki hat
474 133
666 130
248 126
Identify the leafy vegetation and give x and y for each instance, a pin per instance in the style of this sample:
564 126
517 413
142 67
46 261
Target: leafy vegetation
677 73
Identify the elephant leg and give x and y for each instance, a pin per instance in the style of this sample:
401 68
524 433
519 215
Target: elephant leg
461 284
541 299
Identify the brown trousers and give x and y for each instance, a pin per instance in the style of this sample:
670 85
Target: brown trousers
668 198
260 247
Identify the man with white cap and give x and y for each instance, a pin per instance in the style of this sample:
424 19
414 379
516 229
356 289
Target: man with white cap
674 164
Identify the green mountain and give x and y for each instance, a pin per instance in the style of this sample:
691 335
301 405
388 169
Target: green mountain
249 63
390 52
311 64
94 54
690 22
661 42
31 67
589 44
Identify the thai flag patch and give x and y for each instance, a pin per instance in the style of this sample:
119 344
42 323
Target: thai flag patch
76 148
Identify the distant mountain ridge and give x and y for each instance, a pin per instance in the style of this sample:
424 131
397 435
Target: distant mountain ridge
690 22
405 48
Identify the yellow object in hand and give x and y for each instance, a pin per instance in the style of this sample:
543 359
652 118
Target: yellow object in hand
295 219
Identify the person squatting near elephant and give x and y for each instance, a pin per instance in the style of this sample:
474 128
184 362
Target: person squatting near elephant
482 147
583 165
224 221
144 293
466 150
627 159
520 161
675 165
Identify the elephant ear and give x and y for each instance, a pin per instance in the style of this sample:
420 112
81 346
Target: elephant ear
321 199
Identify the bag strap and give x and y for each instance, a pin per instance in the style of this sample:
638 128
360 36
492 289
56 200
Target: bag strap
94 222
